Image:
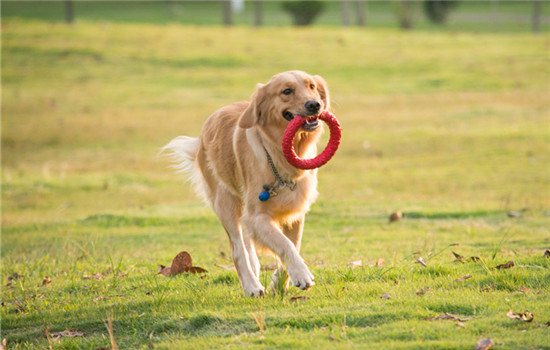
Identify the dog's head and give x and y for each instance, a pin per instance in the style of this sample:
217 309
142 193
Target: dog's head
284 97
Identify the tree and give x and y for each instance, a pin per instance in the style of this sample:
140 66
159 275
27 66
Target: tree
405 11
437 11
227 15
69 13
303 12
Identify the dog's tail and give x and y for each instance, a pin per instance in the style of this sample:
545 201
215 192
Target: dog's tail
183 151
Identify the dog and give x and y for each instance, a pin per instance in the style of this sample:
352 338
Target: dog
239 155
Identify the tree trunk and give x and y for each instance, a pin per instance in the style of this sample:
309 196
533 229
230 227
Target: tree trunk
345 13
227 18
537 12
69 13
360 8
258 13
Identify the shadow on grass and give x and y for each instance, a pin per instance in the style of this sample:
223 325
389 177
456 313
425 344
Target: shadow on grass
454 215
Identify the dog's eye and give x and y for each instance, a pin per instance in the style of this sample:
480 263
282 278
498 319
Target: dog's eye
311 86
287 91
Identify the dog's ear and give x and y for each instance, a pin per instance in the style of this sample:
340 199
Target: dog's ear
323 90
253 112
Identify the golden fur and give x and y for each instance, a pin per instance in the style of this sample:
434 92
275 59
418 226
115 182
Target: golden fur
229 167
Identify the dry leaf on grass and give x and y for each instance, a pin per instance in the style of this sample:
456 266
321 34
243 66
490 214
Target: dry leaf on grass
46 281
460 258
396 216
297 299
484 344
181 263
421 261
380 262
66 334
423 291
464 278
451 317
356 263
547 254
508 265
525 317
385 296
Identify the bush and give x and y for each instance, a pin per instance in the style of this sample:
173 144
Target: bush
303 12
437 11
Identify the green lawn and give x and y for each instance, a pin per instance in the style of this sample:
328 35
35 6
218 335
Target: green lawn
452 129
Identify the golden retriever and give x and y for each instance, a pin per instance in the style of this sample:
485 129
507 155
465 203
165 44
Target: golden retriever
239 155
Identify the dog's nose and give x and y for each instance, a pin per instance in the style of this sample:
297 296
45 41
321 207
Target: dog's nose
312 106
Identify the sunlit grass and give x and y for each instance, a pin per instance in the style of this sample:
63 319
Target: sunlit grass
450 129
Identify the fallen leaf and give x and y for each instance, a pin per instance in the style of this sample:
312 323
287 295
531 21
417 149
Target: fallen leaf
380 262
514 214
181 263
464 278
525 317
508 265
163 270
547 324
396 216
421 261
46 280
458 256
385 296
423 291
297 299
523 289
196 269
474 258
547 254
487 289
356 263
66 334
451 317
484 344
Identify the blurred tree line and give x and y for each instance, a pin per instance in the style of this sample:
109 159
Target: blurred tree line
305 12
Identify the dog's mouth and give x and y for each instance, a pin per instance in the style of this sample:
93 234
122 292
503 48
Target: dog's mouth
309 125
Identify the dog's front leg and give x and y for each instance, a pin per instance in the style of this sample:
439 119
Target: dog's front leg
269 234
293 231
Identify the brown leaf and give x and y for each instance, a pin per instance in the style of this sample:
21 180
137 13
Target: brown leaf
547 324
380 262
297 299
423 291
385 296
484 344
451 317
474 258
547 254
196 269
46 280
458 256
487 289
163 270
356 263
525 317
514 214
508 265
523 289
396 216
181 263
464 278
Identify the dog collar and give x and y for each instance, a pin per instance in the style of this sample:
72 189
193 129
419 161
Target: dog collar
279 184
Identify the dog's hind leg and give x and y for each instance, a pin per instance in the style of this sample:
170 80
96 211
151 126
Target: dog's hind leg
228 209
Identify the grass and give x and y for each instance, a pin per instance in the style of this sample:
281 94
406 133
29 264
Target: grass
449 128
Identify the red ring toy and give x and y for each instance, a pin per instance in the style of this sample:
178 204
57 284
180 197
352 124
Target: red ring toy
328 152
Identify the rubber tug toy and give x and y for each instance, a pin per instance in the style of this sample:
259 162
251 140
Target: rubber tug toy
292 157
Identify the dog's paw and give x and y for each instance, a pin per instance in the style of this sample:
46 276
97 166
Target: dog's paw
254 291
300 276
